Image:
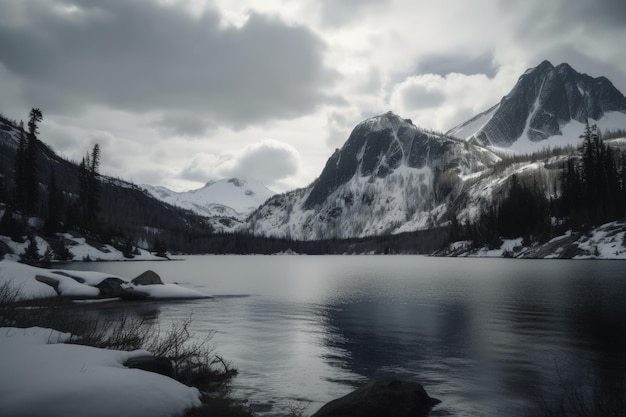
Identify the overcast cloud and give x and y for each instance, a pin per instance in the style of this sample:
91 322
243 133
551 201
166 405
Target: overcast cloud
179 92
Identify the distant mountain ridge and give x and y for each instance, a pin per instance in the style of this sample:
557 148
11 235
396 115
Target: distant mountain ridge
231 197
542 103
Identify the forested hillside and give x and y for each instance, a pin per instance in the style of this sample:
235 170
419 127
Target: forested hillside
43 193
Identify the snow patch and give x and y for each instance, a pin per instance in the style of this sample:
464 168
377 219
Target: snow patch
42 376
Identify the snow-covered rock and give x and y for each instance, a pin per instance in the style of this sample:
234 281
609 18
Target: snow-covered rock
33 283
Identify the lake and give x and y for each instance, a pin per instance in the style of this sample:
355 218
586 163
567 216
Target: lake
488 337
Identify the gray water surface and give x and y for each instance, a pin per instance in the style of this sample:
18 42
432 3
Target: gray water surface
488 337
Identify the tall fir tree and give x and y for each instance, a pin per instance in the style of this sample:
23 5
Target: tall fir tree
592 192
31 179
19 168
89 193
31 255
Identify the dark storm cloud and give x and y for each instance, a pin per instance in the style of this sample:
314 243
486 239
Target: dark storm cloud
140 56
186 124
567 13
446 64
583 33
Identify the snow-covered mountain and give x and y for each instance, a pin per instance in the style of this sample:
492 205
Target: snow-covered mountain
231 198
547 103
389 177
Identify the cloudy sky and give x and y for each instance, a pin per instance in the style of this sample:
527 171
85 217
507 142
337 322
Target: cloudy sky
178 92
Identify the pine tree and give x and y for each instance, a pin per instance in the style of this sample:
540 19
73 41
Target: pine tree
592 193
31 255
60 250
94 184
160 247
20 166
31 180
9 226
89 192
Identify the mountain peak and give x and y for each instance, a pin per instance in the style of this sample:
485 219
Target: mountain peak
565 67
388 120
236 182
234 197
543 101
380 145
545 64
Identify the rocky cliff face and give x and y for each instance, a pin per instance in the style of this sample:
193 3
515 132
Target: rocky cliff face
379 146
542 102
389 177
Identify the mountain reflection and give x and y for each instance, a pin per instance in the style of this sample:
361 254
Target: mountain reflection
528 342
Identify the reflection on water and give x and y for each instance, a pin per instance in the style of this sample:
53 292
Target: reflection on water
489 337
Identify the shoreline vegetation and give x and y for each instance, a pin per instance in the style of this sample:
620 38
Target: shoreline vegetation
33 319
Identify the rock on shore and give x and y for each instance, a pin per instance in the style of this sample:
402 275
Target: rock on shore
382 397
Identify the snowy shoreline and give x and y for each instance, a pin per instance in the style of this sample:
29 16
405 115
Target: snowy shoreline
43 376
32 283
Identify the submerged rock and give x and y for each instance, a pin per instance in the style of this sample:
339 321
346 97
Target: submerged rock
147 278
382 397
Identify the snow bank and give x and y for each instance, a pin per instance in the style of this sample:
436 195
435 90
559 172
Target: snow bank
23 278
43 377
79 247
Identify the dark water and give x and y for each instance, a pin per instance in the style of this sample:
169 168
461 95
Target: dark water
489 337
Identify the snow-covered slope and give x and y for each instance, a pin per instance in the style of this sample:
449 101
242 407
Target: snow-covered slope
232 197
547 106
389 177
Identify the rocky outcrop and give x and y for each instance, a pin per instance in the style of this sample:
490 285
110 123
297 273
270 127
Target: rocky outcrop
382 397
157 364
115 288
147 278
49 281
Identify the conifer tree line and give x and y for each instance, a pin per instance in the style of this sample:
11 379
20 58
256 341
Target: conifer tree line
44 194
26 178
592 192
594 185
57 210
89 192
